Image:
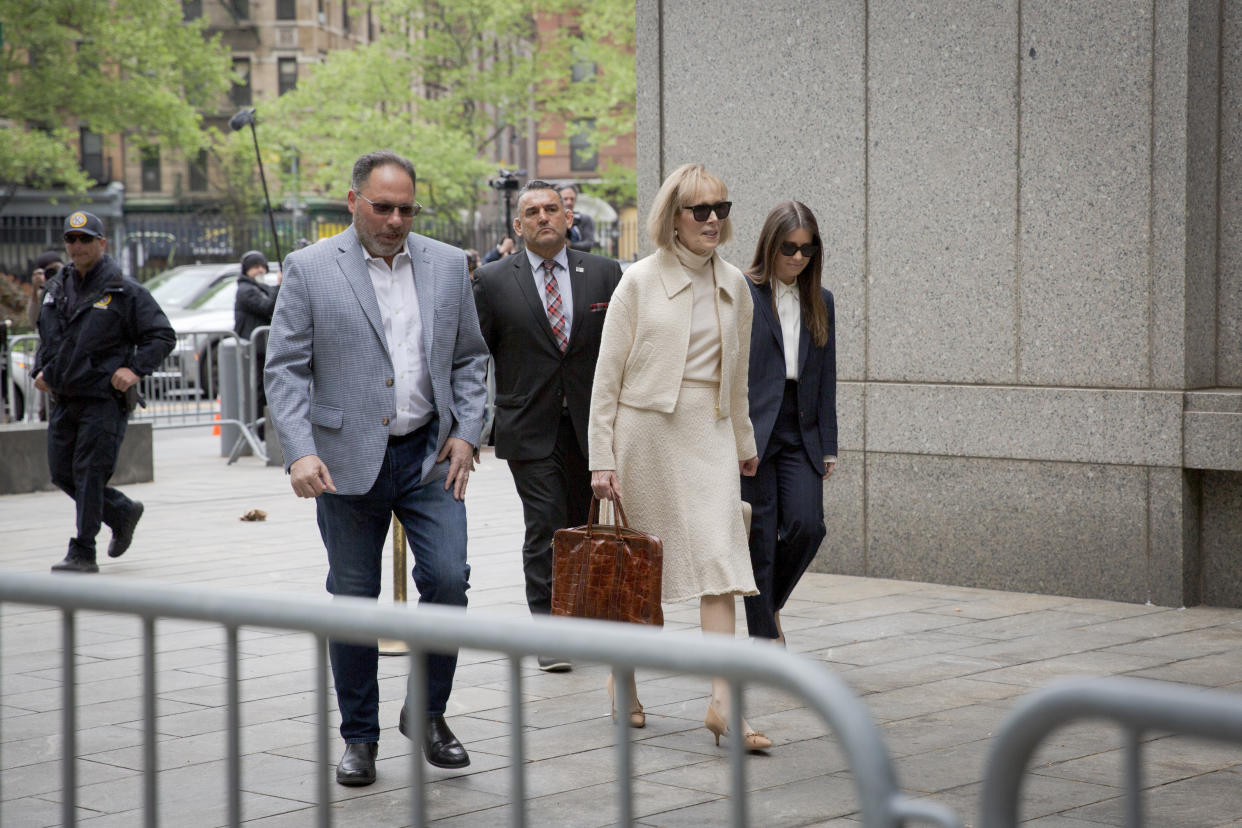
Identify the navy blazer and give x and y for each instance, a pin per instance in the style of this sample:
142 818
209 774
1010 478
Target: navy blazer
817 379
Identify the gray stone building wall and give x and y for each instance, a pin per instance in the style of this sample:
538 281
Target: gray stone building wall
1033 216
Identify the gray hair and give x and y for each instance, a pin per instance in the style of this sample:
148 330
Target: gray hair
364 165
538 184
534 186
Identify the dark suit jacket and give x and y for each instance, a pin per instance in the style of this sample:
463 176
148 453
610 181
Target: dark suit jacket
817 379
532 375
586 229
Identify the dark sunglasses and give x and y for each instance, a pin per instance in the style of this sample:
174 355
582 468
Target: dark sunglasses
702 212
79 238
789 248
383 208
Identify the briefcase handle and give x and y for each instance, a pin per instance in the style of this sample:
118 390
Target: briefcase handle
593 517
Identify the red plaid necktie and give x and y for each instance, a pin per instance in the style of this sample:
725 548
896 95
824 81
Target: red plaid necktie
552 296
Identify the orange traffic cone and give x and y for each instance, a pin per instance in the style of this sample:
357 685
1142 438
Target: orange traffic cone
215 429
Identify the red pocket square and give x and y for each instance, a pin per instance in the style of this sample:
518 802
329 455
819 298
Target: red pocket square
599 306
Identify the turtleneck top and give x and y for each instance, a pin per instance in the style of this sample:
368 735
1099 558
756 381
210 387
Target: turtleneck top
703 353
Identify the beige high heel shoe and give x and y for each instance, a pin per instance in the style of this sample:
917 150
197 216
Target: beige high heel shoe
638 719
716 724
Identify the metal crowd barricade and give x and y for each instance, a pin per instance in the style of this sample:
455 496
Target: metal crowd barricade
186 390
432 628
1137 705
253 417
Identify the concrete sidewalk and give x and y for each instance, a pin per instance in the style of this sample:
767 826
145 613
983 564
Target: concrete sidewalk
938 667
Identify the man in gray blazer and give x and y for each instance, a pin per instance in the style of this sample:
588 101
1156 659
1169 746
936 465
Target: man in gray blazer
375 380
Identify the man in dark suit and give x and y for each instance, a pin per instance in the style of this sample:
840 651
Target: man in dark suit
581 232
541 312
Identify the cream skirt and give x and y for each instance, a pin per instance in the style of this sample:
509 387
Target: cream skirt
679 481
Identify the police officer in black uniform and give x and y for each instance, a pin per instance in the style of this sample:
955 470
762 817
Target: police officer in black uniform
99 333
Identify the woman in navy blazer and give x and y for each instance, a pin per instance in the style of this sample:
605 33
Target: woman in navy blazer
793 407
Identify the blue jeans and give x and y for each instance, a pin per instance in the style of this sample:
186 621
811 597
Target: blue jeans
353 528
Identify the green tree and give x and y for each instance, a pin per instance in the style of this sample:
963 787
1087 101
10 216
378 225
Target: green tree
441 84
113 66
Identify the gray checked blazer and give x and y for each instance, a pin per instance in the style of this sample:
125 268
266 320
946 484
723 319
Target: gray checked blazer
329 376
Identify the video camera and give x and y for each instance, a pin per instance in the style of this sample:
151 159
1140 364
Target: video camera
507 180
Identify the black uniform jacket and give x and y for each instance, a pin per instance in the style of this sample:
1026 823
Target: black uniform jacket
99 324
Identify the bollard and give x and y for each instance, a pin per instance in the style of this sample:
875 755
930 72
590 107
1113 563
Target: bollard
389 646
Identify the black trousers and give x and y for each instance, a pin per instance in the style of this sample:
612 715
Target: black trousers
786 496
83 439
556 493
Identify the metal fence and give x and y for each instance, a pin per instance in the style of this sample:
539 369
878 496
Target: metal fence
1138 706
210 380
437 629
147 243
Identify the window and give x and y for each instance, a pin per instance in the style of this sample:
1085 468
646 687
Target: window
198 172
241 9
92 154
583 70
241 95
286 9
582 156
287 74
345 15
191 9
151 182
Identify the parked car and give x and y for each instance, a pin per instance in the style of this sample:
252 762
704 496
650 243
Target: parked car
180 287
20 366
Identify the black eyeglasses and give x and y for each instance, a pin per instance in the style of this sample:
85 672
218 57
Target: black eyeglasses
789 248
383 208
702 212
78 238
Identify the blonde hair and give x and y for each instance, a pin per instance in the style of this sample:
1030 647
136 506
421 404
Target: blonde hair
683 183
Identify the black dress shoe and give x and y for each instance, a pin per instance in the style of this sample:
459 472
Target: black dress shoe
357 765
76 563
123 535
440 746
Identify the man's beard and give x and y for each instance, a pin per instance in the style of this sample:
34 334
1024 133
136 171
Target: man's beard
377 246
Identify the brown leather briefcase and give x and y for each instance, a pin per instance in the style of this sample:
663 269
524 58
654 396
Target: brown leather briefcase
611 573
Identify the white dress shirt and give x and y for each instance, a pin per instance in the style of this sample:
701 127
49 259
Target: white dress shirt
403 329
561 272
789 311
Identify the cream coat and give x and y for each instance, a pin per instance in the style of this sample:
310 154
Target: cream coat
642 353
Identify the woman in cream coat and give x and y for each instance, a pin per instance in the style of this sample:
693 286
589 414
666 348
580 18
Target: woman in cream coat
669 423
